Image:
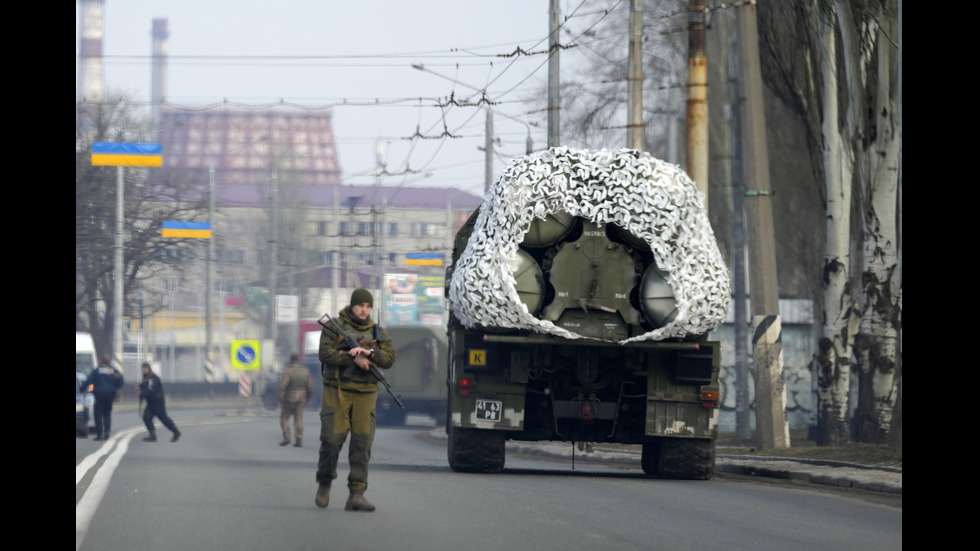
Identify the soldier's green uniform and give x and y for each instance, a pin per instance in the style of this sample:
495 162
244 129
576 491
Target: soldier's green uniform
295 389
349 401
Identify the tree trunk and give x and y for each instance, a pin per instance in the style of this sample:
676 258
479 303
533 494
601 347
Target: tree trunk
833 362
877 346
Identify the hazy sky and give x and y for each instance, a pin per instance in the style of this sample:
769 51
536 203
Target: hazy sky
325 52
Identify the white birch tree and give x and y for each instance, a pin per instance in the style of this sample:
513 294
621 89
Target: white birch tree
870 42
840 317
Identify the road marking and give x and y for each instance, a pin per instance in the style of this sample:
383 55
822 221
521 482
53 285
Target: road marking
116 448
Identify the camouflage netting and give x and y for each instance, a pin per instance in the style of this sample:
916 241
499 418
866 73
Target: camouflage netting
654 200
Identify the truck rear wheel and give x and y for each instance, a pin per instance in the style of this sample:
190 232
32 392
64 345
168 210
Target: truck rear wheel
687 458
475 450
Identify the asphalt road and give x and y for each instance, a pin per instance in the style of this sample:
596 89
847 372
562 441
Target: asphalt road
228 485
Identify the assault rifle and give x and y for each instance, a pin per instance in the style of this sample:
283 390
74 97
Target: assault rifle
351 343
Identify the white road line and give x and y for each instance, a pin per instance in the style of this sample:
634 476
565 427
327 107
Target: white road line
116 447
93 458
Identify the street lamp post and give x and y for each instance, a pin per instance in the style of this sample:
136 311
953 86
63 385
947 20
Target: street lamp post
208 284
117 329
122 155
209 365
273 258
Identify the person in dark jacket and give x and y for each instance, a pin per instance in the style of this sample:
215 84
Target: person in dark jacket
350 392
105 381
151 390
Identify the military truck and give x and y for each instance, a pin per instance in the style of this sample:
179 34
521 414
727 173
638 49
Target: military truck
581 294
418 378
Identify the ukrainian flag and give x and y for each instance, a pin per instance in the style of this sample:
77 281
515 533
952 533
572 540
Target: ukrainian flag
126 154
199 230
423 259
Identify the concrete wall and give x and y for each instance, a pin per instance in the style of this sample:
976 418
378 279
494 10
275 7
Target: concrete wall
799 346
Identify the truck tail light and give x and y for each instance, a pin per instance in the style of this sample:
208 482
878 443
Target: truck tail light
465 385
709 397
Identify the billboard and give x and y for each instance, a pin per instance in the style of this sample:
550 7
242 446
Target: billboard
414 299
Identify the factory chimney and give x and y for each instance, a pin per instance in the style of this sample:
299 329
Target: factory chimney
158 82
91 26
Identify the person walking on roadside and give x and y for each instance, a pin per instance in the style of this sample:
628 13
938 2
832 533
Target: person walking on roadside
295 389
350 393
151 390
105 382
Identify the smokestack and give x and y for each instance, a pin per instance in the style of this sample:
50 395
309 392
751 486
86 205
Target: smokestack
91 26
158 82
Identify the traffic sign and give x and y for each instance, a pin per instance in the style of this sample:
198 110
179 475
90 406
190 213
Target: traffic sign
245 355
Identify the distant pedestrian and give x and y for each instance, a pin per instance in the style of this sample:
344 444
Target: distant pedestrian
105 382
350 393
151 390
295 390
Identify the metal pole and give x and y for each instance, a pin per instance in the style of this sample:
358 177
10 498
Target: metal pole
273 258
697 103
634 132
742 412
335 258
117 330
554 92
209 284
488 150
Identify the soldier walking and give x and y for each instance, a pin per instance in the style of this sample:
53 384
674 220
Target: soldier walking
295 389
350 393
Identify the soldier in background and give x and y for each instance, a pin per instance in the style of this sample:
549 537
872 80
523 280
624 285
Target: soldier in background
295 389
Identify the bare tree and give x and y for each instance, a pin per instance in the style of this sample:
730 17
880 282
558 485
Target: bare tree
832 65
150 198
838 68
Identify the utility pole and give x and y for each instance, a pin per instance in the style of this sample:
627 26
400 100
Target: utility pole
273 261
772 430
743 427
118 275
210 374
488 151
634 132
554 92
697 99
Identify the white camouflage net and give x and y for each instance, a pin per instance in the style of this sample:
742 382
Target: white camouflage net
654 200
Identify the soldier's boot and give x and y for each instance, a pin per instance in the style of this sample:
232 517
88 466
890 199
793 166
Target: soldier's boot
299 443
356 502
322 495
285 441
176 436
151 438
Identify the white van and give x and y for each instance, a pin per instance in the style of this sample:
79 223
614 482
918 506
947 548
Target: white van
85 358
85 362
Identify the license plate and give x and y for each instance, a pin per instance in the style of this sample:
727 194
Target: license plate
488 410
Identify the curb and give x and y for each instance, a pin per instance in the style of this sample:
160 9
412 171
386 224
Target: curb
863 478
823 472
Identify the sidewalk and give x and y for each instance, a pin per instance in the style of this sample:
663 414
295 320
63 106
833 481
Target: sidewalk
829 473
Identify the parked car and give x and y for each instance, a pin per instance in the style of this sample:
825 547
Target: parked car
83 406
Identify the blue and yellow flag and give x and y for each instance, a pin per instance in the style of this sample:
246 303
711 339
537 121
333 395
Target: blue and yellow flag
423 259
126 154
200 230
